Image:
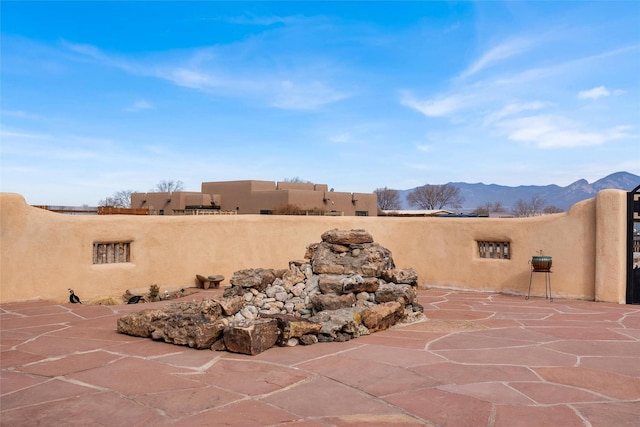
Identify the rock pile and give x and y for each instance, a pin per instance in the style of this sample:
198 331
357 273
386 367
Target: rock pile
346 286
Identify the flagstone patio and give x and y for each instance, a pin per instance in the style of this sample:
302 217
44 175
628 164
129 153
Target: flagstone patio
479 360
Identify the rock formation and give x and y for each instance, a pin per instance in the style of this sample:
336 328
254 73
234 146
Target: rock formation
346 286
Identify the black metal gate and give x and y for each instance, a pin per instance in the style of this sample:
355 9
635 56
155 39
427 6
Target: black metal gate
633 246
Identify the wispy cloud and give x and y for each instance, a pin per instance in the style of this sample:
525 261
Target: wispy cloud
203 70
546 131
252 19
139 106
499 53
436 107
513 109
599 92
301 96
20 114
595 93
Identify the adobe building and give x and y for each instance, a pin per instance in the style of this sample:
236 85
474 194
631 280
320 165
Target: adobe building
257 197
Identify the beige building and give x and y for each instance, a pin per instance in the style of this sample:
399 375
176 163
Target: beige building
258 197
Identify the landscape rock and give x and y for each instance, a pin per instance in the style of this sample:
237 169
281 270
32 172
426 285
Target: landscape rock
391 292
347 237
330 283
139 324
322 302
258 278
407 276
308 339
294 327
197 332
253 338
372 260
345 287
359 284
382 316
344 320
230 306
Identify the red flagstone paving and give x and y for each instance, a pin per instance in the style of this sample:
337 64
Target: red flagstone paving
481 359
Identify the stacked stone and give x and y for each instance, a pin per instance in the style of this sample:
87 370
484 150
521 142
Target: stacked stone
347 269
337 280
345 287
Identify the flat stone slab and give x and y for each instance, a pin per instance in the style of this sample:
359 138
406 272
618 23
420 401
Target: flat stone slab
478 360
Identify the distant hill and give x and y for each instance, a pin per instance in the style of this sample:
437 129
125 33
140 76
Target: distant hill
478 194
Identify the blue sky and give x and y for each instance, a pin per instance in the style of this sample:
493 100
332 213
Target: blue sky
98 97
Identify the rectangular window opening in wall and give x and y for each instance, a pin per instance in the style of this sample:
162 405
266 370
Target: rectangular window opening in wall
495 250
111 252
362 213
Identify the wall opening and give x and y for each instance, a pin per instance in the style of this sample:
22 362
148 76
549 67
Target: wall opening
494 249
111 252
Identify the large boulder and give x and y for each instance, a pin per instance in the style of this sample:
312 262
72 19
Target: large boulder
199 332
367 260
258 278
347 237
382 316
194 324
391 292
340 323
294 327
406 276
138 324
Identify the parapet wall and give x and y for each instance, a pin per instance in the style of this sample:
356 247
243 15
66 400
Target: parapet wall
44 253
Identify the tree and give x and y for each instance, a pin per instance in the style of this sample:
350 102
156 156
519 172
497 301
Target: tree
168 186
552 209
298 180
388 199
119 199
435 197
488 208
534 207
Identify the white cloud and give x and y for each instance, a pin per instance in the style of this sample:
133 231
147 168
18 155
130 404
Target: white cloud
513 109
190 78
439 107
20 114
497 54
251 19
304 96
206 71
557 132
595 93
343 138
139 105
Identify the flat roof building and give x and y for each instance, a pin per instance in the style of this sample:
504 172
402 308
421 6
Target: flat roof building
258 197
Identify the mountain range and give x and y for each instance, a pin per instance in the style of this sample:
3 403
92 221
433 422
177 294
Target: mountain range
478 194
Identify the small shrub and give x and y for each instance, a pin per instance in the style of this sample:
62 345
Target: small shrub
154 291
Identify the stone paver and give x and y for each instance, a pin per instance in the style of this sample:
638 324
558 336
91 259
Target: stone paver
479 360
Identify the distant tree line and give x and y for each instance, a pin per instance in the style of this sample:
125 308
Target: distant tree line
433 197
427 197
122 198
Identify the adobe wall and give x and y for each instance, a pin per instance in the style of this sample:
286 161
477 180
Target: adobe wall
44 253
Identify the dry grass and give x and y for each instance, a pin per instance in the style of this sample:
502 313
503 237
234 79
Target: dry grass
106 301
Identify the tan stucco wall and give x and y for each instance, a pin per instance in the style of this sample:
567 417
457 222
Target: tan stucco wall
44 253
611 246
